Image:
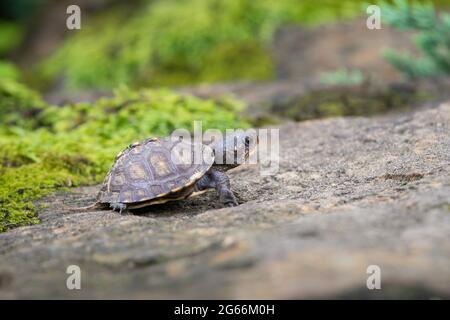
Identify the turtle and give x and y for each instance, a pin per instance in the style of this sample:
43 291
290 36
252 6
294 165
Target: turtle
159 170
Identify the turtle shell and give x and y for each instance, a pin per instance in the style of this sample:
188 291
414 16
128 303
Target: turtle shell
155 171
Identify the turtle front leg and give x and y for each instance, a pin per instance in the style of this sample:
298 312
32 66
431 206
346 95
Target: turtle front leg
118 206
220 181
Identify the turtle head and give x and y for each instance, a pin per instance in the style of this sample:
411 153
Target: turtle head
235 148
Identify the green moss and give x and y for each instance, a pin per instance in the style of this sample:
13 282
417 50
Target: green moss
362 100
231 56
59 147
10 36
8 71
170 42
18 104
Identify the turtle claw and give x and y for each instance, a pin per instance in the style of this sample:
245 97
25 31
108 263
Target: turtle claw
231 204
229 200
121 207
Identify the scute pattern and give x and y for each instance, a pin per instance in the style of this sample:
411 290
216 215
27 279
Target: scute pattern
151 171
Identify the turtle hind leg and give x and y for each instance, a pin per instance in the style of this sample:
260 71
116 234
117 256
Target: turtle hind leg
119 206
92 207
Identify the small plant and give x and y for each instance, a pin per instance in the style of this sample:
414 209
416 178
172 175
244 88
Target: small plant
342 78
432 38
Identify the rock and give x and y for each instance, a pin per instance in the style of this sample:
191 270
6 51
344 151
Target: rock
350 193
302 52
305 99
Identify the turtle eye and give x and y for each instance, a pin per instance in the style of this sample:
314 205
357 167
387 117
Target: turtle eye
247 141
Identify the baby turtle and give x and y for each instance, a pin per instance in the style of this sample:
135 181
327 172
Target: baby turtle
159 170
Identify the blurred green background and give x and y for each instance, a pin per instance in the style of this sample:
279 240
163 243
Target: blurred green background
152 42
167 42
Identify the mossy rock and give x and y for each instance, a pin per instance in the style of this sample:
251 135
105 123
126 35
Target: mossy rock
361 100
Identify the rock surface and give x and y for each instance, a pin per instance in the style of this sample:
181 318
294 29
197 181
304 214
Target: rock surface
302 53
350 193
